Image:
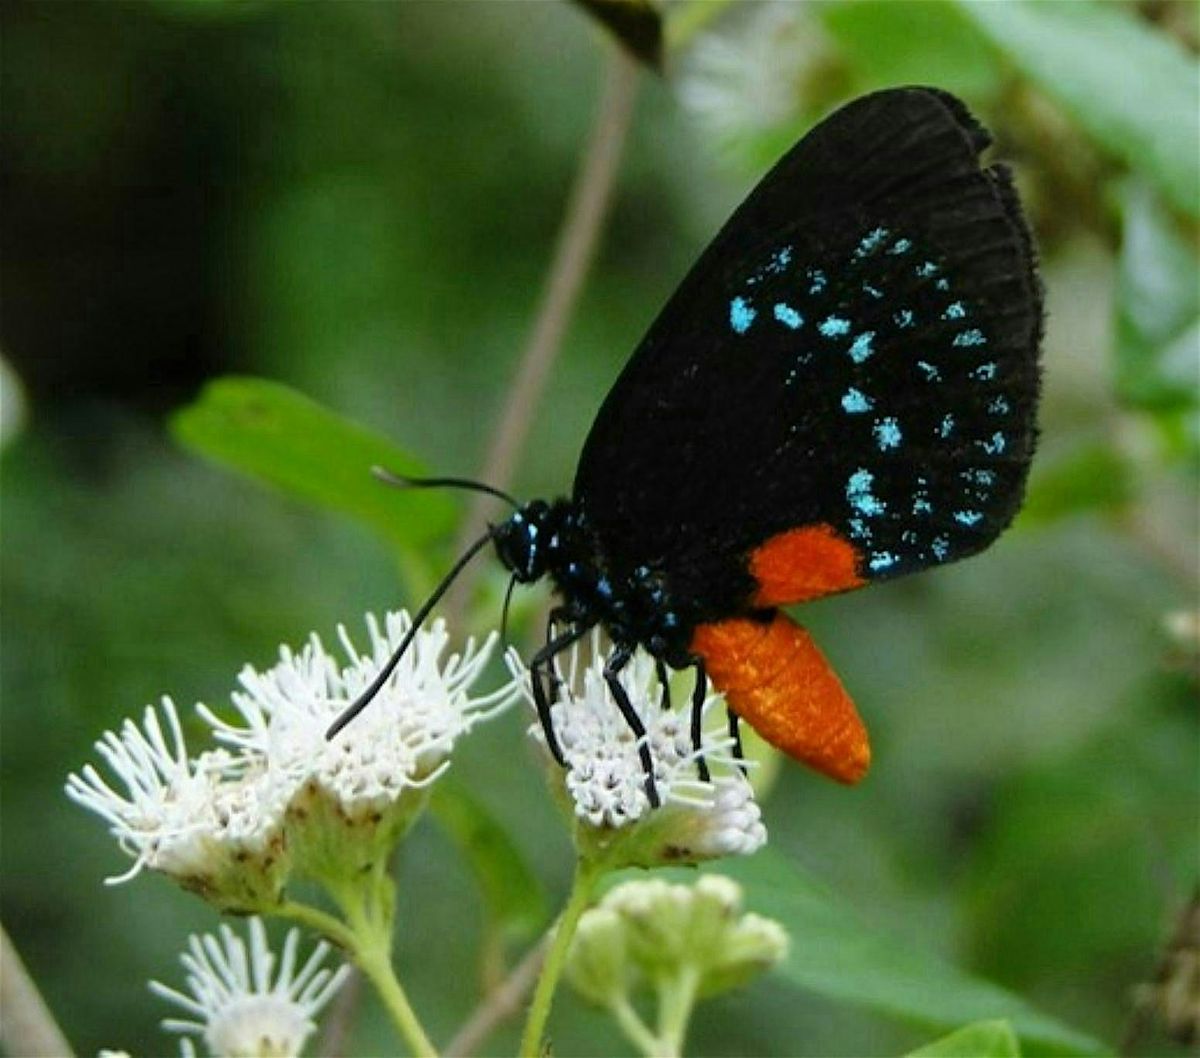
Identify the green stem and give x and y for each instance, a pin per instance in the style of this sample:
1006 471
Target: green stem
636 1030
324 923
587 871
366 936
375 962
676 998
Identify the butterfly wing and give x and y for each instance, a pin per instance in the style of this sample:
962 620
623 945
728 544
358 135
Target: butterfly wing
843 388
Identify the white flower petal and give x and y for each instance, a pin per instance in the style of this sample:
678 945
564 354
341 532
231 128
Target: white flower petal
245 1006
604 774
400 742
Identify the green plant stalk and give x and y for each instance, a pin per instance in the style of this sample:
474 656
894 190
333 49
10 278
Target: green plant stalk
635 1029
366 936
676 999
587 872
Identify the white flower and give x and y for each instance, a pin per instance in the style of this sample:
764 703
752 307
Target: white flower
753 79
235 1005
402 740
350 798
196 820
231 823
605 779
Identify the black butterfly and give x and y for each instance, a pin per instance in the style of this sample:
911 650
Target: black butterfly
841 391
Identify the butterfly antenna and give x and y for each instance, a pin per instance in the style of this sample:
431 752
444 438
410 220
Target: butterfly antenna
364 699
403 481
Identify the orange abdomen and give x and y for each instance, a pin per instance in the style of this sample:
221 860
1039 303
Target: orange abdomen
774 677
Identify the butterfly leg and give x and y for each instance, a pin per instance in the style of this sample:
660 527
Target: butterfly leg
539 666
557 615
616 662
735 733
698 696
660 667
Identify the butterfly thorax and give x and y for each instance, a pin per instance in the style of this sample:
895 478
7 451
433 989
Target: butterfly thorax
635 606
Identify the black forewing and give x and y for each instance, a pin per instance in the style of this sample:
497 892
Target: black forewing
857 347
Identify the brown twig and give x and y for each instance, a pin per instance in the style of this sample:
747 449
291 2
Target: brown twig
500 1004
27 1026
573 253
577 240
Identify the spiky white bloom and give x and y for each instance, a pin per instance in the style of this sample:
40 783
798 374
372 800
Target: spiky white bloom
752 78
191 819
400 742
605 779
239 1004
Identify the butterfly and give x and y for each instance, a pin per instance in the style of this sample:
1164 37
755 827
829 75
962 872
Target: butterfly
841 391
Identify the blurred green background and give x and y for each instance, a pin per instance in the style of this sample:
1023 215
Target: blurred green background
360 200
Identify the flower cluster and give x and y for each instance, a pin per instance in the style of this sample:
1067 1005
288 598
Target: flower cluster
232 822
604 782
239 1004
683 942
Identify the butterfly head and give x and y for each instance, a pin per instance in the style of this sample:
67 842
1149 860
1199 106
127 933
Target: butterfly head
527 541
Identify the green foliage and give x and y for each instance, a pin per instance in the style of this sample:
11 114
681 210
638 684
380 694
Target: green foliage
983 1039
391 184
836 953
1158 308
1133 90
513 894
1093 478
941 46
268 431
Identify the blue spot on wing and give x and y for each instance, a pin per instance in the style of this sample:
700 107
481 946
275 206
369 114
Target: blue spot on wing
741 315
967 339
994 445
858 493
855 402
834 326
788 316
860 349
871 242
887 433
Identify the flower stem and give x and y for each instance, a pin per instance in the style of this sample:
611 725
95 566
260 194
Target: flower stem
332 928
676 998
375 962
635 1029
366 936
587 871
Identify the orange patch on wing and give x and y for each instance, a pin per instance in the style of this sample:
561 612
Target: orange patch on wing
775 678
803 564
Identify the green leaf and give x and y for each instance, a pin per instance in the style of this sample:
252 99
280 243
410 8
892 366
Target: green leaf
984 1039
515 899
1157 305
924 42
274 434
838 955
1132 88
1093 477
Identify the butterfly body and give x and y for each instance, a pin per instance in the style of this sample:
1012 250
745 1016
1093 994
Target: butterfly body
841 391
637 606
